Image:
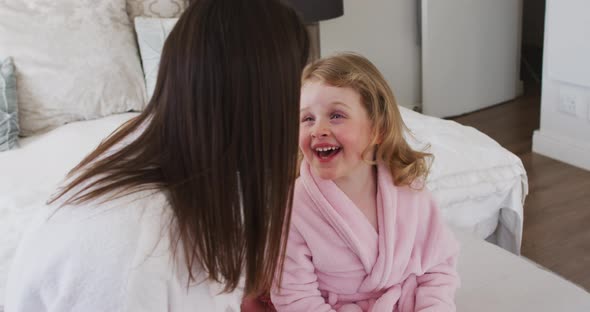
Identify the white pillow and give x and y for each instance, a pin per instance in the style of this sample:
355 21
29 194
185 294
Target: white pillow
75 60
151 34
155 8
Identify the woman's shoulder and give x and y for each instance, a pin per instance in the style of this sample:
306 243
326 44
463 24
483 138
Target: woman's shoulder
114 255
101 218
95 230
71 249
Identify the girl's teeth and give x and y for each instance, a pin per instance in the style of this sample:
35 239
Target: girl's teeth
325 149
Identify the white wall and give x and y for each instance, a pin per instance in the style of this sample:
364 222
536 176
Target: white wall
386 32
566 75
470 54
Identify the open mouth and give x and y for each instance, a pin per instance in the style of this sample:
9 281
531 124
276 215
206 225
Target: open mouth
326 153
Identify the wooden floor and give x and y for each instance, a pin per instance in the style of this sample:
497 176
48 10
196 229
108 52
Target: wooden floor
557 209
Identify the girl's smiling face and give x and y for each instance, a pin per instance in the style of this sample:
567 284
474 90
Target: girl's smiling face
335 130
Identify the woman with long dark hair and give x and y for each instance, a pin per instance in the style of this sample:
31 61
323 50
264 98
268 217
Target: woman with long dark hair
183 207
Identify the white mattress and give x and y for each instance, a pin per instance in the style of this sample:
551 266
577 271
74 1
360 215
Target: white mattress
494 280
479 185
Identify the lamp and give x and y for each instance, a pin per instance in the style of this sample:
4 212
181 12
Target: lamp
313 11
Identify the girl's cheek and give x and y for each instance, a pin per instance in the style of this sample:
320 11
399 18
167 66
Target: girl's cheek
303 142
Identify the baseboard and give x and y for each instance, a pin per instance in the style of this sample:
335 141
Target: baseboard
562 148
417 107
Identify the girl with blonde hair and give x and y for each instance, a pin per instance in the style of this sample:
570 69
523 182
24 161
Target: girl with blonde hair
364 235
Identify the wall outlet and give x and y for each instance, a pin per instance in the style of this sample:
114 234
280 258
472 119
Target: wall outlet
574 101
568 103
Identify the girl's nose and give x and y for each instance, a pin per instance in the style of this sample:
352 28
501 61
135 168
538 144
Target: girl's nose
320 130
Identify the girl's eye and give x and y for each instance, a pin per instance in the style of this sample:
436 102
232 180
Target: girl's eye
306 119
337 116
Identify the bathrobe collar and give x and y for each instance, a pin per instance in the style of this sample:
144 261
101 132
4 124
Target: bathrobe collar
375 250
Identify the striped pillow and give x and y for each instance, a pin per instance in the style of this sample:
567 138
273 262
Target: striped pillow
8 110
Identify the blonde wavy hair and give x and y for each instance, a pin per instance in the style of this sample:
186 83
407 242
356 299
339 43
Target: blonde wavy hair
349 70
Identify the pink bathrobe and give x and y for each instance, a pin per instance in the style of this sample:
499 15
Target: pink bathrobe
336 261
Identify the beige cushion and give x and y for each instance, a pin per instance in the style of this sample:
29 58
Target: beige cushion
155 8
75 60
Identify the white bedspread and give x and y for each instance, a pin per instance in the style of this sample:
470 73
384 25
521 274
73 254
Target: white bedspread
479 185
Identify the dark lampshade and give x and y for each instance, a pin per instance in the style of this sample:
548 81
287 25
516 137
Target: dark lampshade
317 10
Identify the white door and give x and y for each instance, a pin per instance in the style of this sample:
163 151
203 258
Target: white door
470 54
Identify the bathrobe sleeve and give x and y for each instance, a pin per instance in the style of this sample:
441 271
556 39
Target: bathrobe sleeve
436 288
299 286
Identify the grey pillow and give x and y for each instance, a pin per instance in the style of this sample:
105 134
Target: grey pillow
8 110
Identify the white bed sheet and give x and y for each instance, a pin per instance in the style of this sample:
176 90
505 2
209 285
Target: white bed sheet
479 185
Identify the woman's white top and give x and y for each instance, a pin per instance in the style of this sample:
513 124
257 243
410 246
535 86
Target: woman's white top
108 256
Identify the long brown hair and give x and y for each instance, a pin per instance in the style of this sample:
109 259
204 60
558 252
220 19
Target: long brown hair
349 70
219 135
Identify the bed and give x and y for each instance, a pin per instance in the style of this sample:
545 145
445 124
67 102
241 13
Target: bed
30 179
467 196
480 186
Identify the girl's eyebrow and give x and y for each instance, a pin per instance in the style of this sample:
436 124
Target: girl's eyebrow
335 103
338 103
